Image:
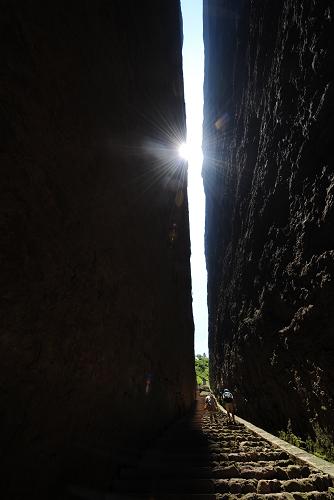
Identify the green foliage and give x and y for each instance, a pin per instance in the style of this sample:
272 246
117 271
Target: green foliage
290 437
322 446
202 368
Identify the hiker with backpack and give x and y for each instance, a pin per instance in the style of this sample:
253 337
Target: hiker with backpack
211 406
228 403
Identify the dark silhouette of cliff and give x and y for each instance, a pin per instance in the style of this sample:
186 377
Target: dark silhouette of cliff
95 298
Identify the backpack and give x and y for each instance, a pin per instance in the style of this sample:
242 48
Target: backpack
227 397
210 403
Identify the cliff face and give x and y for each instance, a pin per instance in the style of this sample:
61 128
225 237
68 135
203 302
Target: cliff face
269 182
96 323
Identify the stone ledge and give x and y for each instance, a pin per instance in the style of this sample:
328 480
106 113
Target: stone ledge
299 454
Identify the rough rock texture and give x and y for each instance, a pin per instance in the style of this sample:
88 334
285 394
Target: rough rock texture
269 183
96 319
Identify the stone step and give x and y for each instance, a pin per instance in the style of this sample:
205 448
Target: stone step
227 440
263 486
235 485
237 449
161 466
172 462
159 486
86 494
252 457
180 444
196 432
232 471
208 458
317 482
311 495
165 496
179 454
171 472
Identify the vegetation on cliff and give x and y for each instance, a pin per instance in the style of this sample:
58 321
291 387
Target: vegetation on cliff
322 445
202 368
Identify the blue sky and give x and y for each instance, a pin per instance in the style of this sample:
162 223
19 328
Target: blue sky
193 74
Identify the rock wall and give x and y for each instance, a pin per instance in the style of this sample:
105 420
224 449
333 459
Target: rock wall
96 316
269 183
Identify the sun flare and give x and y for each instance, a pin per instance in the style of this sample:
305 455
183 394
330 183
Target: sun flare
184 151
191 153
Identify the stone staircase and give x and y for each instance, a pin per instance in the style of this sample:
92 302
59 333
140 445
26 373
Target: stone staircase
196 460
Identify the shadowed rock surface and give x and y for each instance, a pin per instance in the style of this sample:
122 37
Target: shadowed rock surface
96 290
269 183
